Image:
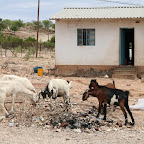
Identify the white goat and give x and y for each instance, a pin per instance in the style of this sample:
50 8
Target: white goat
59 87
13 88
24 81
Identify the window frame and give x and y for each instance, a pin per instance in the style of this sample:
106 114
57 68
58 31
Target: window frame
78 34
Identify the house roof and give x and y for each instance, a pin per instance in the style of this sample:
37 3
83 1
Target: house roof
99 12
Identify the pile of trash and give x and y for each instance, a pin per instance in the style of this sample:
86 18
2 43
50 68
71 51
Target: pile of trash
53 115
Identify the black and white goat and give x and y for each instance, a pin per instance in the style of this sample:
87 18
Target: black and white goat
111 96
57 88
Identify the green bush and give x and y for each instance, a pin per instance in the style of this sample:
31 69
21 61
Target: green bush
2 25
19 23
49 45
31 51
19 49
14 27
52 39
29 42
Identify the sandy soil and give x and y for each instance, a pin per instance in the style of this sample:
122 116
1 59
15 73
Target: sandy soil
42 36
42 135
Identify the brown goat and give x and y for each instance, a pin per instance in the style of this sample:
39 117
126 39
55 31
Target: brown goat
91 92
111 96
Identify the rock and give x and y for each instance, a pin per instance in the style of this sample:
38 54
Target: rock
108 130
58 130
67 139
41 118
106 76
115 129
87 130
47 126
77 130
96 128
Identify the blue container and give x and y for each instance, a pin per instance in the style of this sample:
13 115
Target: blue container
36 69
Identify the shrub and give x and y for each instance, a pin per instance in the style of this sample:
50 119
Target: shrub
49 45
52 39
31 51
19 49
14 27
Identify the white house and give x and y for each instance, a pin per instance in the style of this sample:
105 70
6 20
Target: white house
99 37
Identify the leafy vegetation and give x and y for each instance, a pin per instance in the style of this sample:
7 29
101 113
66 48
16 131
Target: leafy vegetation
28 45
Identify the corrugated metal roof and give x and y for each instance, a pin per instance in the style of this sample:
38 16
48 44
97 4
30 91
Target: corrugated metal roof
100 12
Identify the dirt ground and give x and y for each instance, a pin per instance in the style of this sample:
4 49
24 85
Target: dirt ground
27 129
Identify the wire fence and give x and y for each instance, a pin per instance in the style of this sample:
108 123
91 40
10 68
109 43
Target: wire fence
41 53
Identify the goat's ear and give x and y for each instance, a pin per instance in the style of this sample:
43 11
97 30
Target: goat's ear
46 87
68 81
52 91
94 80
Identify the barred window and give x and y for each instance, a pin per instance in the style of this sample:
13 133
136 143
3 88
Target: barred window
86 37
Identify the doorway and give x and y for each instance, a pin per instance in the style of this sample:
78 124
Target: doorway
127 46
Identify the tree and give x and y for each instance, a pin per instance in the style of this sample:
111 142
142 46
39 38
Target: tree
7 22
14 27
2 26
19 23
53 26
47 25
35 24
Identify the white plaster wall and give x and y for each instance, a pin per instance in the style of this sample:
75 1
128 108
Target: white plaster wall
107 41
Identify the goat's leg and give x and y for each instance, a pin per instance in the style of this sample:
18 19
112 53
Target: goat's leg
130 113
13 101
66 101
99 110
124 112
3 97
105 106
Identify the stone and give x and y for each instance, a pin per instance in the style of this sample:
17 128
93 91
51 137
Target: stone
96 128
41 118
108 130
77 130
87 130
58 130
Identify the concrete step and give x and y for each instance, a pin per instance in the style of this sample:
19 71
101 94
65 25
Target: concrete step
125 76
125 72
120 71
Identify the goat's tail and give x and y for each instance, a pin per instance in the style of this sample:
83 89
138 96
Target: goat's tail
127 93
69 83
114 84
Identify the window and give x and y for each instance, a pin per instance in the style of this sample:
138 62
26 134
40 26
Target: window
86 37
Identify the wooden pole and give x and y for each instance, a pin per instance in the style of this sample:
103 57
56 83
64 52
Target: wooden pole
37 29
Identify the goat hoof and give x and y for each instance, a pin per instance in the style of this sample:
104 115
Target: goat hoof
132 123
11 112
8 115
97 116
104 118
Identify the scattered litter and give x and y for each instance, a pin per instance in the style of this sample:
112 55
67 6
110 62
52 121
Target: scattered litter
106 76
11 124
73 104
139 105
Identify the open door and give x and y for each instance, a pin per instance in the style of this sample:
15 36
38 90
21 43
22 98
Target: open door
127 46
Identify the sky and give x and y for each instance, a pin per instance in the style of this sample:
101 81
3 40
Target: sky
26 10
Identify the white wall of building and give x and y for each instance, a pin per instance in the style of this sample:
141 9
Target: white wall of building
107 42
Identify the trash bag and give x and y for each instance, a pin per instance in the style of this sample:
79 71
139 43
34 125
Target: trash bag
139 105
